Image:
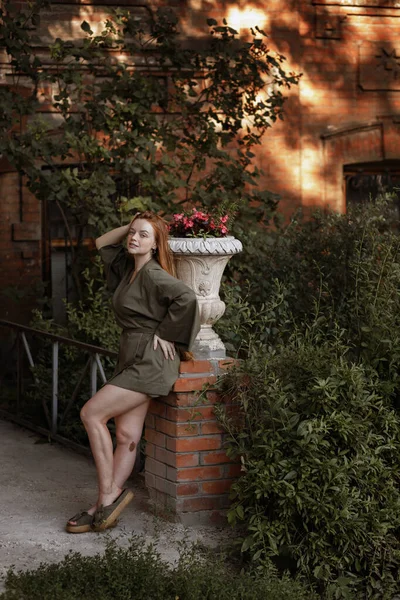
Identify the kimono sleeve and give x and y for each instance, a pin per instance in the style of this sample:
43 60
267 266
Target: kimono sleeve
182 321
116 264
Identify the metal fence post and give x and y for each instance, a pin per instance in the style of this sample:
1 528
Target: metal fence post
54 404
28 351
100 366
19 372
93 376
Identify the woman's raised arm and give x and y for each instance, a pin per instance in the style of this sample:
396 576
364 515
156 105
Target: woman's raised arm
115 236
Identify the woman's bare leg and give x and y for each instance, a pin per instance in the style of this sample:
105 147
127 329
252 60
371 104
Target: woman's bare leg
129 427
110 401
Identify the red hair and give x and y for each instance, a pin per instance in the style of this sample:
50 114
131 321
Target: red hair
163 253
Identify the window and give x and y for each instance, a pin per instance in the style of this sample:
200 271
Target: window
368 180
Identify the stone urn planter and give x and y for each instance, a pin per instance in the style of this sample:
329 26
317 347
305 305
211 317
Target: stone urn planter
200 263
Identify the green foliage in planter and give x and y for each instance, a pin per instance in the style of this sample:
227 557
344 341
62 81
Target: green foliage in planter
319 429
139 572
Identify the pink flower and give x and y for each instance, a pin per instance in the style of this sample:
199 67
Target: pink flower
197 222
188 222
198 214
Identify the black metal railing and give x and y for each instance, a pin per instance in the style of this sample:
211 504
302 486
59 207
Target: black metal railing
21 351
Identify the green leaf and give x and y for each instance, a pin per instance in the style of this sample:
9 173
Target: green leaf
240 511
86 28
247 543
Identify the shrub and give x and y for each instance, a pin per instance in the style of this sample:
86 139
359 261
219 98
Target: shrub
92 319
247 325
139 573
321 470
319 431
304 252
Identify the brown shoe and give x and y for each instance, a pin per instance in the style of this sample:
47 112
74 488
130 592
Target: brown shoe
105 516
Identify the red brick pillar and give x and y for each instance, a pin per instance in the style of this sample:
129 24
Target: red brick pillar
188 474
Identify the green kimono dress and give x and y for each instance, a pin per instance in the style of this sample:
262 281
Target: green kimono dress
155 303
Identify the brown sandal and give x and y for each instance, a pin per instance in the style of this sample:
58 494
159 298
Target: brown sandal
83 523
106 516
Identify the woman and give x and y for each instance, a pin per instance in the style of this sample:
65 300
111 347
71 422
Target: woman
159 319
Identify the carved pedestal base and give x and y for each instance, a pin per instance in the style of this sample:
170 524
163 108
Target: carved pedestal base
208 344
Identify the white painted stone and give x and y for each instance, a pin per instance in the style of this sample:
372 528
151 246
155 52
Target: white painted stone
200 263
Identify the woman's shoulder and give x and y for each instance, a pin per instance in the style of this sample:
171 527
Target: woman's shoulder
162 278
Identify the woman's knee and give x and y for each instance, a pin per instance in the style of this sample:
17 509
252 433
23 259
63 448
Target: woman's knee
125 437
85 414
90 416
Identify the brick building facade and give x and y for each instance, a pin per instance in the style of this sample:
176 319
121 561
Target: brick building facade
341 120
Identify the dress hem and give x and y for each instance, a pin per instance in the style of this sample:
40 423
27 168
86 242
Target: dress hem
136 388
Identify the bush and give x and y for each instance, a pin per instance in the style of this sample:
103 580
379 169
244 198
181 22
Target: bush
307 251
139 573
92 320
319 430
321 470
247 324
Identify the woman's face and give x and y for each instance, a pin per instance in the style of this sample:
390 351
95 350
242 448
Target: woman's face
141 238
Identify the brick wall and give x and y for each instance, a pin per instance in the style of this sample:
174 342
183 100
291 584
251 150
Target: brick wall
20 246
188 473
348 85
